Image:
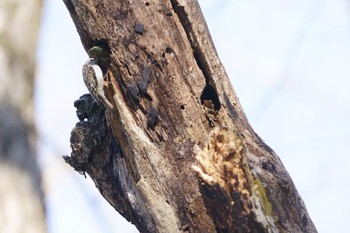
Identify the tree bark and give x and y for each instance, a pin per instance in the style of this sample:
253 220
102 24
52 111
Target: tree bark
21 197
177 154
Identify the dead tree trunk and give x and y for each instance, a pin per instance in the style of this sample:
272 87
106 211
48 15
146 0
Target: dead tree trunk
177 153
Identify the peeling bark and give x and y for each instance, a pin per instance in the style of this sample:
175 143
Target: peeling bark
179 154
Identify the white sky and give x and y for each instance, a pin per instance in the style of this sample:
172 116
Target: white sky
289 62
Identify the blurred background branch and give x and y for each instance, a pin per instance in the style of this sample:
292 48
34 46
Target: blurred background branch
21 197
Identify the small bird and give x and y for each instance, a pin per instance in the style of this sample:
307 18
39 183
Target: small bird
94 81
103 54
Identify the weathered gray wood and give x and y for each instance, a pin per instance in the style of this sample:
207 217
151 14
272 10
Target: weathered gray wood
179 155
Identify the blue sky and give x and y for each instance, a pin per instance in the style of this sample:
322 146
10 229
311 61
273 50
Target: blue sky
289 64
